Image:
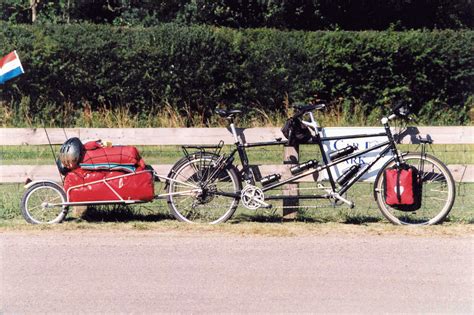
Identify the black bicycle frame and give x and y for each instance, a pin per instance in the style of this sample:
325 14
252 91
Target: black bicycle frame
247 173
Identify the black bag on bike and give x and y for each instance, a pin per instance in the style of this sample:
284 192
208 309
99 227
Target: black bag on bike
402 187
296 132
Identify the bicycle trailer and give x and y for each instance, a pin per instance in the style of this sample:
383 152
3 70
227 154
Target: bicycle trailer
115 173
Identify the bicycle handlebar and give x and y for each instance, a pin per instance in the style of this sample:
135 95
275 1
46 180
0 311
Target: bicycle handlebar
398 106
400 110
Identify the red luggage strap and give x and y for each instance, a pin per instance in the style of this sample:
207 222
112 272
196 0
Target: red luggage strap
399 195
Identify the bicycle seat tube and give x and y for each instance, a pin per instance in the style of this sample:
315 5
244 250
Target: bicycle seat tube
247 173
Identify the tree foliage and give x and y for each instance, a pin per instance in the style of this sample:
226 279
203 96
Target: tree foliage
281 14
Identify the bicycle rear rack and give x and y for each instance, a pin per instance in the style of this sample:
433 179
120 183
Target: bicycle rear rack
201 149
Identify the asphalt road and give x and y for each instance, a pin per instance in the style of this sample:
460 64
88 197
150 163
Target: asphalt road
150 272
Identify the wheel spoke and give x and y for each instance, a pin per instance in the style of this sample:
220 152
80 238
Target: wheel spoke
35 207
186 179
188 198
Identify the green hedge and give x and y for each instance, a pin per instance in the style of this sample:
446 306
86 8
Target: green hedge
200 67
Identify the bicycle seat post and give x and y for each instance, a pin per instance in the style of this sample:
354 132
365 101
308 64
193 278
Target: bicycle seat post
229 115
234 131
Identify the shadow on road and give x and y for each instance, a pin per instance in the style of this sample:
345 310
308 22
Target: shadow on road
356 219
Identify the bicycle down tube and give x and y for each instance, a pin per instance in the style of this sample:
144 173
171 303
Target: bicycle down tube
327 167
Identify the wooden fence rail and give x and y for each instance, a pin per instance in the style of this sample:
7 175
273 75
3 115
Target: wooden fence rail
196 136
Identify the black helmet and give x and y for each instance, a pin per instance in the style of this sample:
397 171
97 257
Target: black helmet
63 170
71 153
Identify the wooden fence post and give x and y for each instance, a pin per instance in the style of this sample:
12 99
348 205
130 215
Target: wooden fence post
290 156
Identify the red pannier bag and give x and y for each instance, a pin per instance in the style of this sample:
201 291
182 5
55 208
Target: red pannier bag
109 185
402 187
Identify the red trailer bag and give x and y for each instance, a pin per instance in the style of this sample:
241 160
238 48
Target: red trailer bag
402 188
123 186
118 158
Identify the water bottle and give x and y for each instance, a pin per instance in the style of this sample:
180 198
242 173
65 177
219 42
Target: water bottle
342 152
303 167
270 179
348 174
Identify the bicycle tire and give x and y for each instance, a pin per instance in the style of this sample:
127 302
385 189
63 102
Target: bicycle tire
33 206
438 192
202 205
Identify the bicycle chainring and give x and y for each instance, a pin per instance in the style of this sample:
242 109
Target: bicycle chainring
252 197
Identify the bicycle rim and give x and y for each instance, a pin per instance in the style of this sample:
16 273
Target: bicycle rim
437 194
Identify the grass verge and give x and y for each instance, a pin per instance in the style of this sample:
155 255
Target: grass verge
325 219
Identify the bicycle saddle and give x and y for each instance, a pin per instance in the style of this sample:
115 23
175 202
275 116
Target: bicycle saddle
227 113
302 108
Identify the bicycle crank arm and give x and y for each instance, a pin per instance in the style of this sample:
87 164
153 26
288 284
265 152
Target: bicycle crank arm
221 193
263 203
340 198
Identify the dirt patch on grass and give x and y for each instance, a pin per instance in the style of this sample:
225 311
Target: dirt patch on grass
287 229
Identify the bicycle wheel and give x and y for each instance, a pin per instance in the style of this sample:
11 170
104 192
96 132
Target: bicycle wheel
194 190
37 203
437 194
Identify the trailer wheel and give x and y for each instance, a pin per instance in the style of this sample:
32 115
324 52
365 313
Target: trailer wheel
42 203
